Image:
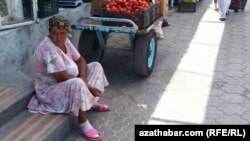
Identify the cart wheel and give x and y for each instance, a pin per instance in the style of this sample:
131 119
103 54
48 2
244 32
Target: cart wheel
89 47
145 47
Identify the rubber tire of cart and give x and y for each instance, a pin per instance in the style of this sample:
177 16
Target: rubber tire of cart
89 47
145 48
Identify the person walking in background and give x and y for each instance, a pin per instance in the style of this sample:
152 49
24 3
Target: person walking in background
223 6
215 4
171 4
237 5
165 23
158 30
165 20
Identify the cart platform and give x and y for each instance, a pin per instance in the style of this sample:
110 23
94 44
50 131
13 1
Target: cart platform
92 42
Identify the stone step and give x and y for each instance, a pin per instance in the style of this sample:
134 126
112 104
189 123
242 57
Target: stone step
16 81
37 127
16 88
16 122
75 136
13 100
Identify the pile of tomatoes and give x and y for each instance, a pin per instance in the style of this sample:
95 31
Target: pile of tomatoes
127 6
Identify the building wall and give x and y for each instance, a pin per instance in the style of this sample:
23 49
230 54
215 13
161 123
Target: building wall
3 8
17 46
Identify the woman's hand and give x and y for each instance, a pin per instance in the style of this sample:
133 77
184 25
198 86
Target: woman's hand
82 67
95 92
61 76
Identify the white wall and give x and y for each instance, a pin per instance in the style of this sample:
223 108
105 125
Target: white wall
18 45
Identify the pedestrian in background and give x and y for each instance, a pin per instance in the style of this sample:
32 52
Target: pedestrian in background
165 20
237 5
223 6
171 4
158 30
215 2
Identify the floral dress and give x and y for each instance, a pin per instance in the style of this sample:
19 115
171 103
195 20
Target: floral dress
67 96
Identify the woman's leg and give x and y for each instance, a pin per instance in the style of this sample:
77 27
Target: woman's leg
223 8
237 6
82 117
65 97
97 81
222 5
96 77
215 4
228 5
171 4
86 127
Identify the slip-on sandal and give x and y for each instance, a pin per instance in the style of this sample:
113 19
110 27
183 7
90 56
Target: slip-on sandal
101 107
90 134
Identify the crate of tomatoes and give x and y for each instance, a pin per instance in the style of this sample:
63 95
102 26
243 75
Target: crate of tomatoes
142 12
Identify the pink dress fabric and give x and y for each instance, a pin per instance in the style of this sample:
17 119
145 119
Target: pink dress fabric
68 96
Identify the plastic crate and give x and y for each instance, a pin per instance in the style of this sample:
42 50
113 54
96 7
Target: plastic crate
69 3
87 0
47 8
157 9
142 19
187 7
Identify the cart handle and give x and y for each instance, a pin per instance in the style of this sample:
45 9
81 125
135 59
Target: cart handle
115 20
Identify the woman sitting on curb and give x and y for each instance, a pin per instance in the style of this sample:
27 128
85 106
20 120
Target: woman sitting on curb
64 83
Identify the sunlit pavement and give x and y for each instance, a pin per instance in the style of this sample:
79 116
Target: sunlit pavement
210 84
186 97
201 76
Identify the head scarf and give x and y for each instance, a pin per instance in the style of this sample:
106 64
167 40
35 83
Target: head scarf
59 22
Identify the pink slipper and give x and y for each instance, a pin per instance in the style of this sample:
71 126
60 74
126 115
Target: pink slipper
90 133
100 108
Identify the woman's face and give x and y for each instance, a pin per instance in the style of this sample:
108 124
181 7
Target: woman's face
58 36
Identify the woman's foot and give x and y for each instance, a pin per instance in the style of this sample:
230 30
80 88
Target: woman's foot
165 23
89 132
91 135
100 107
236 10
215 7
222 19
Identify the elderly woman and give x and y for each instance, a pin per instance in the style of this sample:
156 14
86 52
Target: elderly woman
64 83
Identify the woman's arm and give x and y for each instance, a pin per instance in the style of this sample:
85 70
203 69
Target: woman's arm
61 76
82 67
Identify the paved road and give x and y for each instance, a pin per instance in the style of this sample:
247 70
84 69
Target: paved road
201 76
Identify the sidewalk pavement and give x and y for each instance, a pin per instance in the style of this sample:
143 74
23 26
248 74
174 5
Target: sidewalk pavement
201 76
